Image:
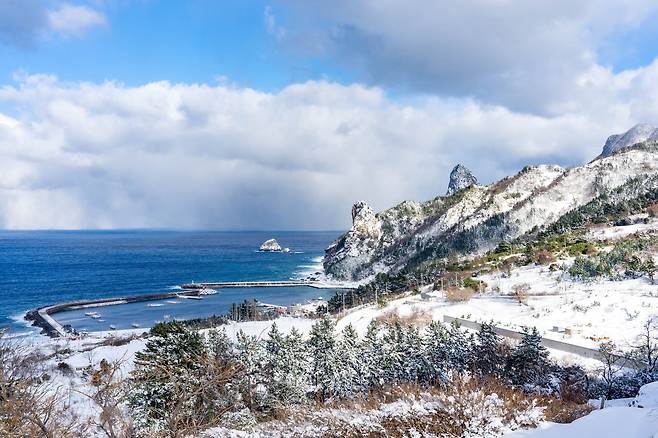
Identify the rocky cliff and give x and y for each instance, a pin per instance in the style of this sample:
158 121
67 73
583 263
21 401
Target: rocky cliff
476 218
460 178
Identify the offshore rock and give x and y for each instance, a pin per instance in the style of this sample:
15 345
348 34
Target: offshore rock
271 245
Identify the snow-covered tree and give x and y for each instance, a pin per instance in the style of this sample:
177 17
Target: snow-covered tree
459 349
324 360
487 358
350 371
219 345
178 386
372 356
284 369
251 355
415 366
394 348
435 352
529 360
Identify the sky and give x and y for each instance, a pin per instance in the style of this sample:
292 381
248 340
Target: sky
279 115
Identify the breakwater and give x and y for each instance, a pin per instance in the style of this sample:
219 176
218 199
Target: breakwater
42 316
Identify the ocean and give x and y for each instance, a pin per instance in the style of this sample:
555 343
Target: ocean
46 267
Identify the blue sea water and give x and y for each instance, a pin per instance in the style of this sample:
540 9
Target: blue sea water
45 267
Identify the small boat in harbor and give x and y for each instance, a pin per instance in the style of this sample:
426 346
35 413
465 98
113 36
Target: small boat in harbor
189 297
93 314
207 291
172 302
154 305
135 325
100 320
113 327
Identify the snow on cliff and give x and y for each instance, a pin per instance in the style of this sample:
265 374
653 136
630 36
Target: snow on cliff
637 134
477 218
460 178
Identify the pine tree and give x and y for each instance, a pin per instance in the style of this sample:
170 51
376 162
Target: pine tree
435 352
251 355
487 358
373 356
324 363
415 369
297 368
176 383
349 376
459 349
219 345
529 360
394 349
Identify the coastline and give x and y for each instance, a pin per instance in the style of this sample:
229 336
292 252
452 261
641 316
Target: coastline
41 317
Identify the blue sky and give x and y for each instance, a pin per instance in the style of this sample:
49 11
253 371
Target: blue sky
280 114
194 42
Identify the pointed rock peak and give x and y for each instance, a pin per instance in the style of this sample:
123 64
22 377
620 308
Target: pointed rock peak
637 134
361 211
460 178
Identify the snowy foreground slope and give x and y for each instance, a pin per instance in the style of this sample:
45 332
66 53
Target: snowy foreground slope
612 422
478 218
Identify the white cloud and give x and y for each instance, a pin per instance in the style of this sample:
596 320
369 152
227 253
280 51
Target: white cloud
74 20
525 55
186 155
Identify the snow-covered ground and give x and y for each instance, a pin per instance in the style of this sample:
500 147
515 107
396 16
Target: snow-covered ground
592 312
614 233
637 421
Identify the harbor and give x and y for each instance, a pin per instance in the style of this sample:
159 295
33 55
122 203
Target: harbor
194 300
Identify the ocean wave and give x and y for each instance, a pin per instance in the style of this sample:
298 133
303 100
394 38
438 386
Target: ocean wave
309 267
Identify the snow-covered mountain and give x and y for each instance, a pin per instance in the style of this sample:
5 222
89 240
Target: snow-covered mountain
637 134
478 218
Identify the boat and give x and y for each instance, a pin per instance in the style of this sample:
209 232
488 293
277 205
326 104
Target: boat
135 325
172 302
154 305
207 291
113 327
100 320
92 314
189 297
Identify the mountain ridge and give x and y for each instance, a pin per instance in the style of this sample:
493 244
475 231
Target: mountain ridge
477 218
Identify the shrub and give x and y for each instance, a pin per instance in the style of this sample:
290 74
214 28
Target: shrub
520 292
459 294
476 285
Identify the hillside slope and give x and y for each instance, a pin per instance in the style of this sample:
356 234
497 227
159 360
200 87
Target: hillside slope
478 218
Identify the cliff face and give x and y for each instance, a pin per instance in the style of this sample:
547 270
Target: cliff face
460 179
477 218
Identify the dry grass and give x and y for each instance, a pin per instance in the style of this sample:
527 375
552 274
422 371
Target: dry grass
418 317
520 292
456 294
461 402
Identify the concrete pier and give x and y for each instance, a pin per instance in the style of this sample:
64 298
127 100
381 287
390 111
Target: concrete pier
41 317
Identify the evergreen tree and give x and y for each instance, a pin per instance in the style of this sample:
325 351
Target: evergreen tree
176 384
435 352
487 358
251 355
324 363
529 360
394 349
415 369
297 368
284 369
350 371
458 349
373 356
219 345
